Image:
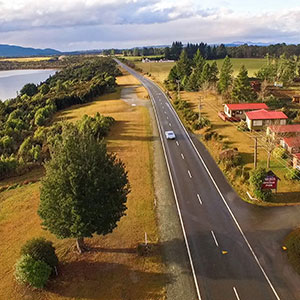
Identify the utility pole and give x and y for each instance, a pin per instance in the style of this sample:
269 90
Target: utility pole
200 104
255 152
178 88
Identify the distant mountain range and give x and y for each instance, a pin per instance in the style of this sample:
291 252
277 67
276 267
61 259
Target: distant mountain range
17 51
238 43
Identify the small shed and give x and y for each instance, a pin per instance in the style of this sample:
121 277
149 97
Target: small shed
238 110
259 119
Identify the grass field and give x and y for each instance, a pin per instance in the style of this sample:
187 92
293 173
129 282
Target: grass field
112 270
139 58
159 71
25 59
288 191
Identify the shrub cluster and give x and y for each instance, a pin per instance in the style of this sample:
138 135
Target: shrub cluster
191 117
38 260
257 177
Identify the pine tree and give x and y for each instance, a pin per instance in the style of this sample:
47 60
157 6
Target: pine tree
183 65
225 80
193 82
242 90
205 75
85 189
198 61
214 71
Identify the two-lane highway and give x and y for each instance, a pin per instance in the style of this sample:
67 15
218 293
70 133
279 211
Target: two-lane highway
223 263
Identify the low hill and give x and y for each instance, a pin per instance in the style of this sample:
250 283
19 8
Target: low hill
17 51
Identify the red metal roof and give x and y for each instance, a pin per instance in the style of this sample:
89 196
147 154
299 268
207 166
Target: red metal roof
292 141
247 106
285 128
297 155
263 114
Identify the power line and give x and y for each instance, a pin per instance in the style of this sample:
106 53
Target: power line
255 135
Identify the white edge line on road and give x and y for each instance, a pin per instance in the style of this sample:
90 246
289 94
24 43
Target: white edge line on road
217 188
214 237
176 199
225 202
221 195
182 156
236 293
198 196
177 143
189 172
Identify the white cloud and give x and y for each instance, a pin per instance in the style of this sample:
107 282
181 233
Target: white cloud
79 24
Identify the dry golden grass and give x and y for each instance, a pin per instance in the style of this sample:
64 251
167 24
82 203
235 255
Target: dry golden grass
159 71
26 59
112 270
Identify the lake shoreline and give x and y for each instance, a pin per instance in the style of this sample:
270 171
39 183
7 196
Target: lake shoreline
12 81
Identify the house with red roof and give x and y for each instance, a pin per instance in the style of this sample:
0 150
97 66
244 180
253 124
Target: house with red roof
291 144
259 119
237 110
276 131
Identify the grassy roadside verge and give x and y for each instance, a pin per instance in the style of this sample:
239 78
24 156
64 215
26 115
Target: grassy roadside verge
112 270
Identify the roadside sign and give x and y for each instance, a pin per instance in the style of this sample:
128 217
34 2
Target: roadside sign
270 181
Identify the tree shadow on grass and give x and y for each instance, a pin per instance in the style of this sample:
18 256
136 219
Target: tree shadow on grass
107 280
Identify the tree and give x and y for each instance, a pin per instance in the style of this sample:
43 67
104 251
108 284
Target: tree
242 90
29 89
183 66
225 80
40 249
287 69
167 53
176 50
31 271
45 89
85 188
198 61
214 71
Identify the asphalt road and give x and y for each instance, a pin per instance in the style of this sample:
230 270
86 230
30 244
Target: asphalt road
229 259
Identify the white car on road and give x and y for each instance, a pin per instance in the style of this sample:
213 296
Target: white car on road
170 135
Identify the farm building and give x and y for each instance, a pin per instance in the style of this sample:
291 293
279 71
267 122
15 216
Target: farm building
237 110
259 119
283 130
296 161
291 144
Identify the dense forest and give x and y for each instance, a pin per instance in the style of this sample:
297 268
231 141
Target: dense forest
24 133
210 51
54 62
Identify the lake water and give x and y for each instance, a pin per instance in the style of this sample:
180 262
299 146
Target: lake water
12 81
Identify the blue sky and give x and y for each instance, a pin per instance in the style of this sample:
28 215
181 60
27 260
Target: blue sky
94 24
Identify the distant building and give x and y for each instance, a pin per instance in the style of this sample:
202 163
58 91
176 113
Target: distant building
296 161
291 144
283 130
278 84
259 119
238 110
